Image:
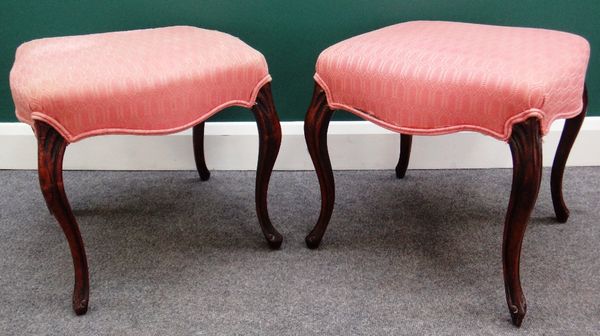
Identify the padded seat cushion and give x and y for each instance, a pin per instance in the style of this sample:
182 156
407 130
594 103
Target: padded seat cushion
433 77
148 81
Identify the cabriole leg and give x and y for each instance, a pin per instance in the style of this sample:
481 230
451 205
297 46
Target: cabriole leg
51 150
315 132
405 145
567 139
269 133
198 140
526 147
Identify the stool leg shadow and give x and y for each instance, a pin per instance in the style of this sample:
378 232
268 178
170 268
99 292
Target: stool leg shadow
198 140
405 146
526 148
567 139
269 133
315 132
51 150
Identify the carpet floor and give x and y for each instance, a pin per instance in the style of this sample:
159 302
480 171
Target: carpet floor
170 255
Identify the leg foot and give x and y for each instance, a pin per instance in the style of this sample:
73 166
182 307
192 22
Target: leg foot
405 145
51 150
313 241
517 317
198 139
269 133
526 148
80 306
315 132
569 134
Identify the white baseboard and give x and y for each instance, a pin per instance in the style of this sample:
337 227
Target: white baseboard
233 146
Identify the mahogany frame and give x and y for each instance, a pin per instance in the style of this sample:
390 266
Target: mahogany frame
526 149
51 150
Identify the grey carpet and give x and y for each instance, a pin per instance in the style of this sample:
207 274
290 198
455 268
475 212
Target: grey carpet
170 255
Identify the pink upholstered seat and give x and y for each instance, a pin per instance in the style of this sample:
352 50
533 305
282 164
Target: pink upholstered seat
149 81
429 77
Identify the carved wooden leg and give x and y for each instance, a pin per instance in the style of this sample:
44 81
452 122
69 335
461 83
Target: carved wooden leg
51 149
269 133
315 132
569 134
405 145
198 139
526 147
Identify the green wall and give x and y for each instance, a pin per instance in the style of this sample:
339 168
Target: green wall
290 33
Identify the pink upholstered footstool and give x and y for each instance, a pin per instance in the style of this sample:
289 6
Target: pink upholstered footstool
154 81
430 78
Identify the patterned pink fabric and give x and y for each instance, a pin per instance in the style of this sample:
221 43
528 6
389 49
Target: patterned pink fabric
149 81
429 77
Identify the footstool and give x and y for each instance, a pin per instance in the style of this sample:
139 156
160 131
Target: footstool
146 82
431 78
